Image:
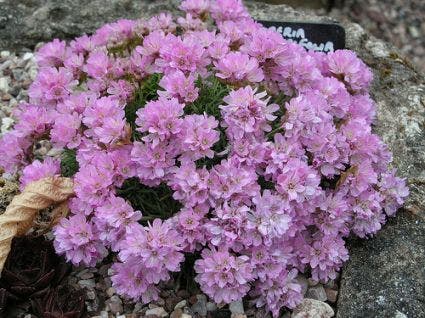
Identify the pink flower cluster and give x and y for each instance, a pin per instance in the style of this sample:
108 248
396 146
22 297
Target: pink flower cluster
300 170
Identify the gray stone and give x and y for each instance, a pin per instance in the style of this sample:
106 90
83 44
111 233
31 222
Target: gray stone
331 295
200 307
91 295
4 85
87 283
181 304
158 311
115 304
311 308
211 306
316 292
236 307
24 23
386 274
302 280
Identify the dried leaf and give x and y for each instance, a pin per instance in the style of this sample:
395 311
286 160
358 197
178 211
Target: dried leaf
19 215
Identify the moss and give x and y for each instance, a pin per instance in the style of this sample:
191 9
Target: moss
400 59
385 71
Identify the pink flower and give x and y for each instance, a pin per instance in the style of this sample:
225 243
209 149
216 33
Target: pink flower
52 85
195 7
178 54
158 246
270 217
75 238
282 291
153 162
65 130
222 276
298 181
238 67
91 184
130 279
228 10
325 256
160 118
198 136
247 113
264 45
32 119
152 44
38 170
394 190
98 64
231 180
177 85
51 54
116 212
15 147
190 184
348 68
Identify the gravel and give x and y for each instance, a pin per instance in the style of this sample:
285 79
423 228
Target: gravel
17 71
102 300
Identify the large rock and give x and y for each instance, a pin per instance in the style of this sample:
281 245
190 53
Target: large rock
385 275
24 23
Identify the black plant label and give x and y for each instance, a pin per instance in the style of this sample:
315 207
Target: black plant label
323 37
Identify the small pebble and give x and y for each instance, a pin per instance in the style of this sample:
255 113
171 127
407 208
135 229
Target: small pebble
181 304
137 307
211 306
236 307
316 292
200 306
89 283
158 311
110 291
4 54
177 313
4 85
91 295
331 295
312 308
104 314
115 304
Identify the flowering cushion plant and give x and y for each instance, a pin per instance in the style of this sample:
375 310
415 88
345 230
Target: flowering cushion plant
207 135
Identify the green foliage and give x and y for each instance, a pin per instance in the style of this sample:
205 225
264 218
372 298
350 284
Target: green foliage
276 125
211 93
145 93
265 184
124 48
69 164
153 202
